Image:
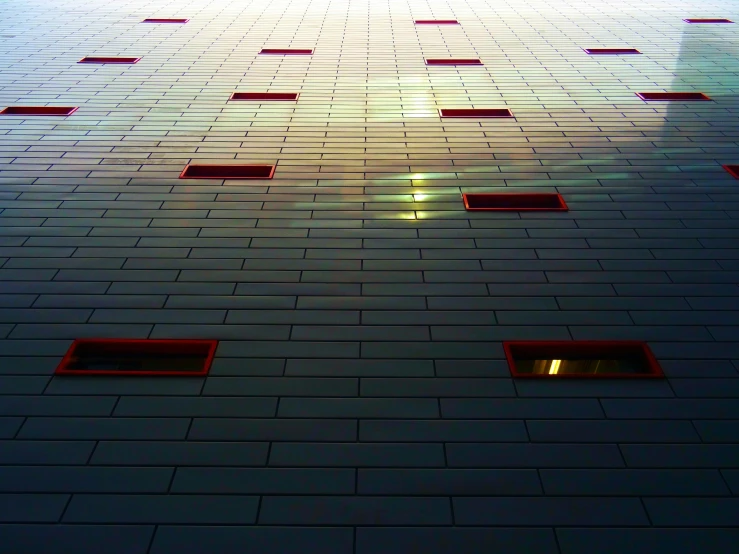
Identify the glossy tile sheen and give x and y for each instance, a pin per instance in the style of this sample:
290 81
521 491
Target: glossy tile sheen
359 400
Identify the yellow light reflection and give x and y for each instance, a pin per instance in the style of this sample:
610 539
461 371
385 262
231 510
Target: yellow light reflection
554 367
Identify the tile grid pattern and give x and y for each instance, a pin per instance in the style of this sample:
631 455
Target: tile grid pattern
359 402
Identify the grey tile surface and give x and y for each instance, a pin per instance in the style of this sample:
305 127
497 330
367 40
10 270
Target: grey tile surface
440 540
83 539
261 539
360 400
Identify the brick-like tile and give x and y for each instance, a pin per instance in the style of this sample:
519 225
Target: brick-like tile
521 408
633 482
593 388
359 368
726 431
179 453
281 386
390 430
438 387
32 508
45 452
612 431
681 455
514 455
549 511
96 428
9 426
672 409
731 477
643 541
246 367
699 512
366 408
113 385
232 429
441 540
172 406
261 539
264 481
449 482
356 455
81 539
85 479
171 509
357 510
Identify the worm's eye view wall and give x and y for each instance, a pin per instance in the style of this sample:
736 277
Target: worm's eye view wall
361 277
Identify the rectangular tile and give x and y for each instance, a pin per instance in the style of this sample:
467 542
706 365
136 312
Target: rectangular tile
356 455
693 512
565 511
263 481
633 482
437 431
641 541
536 456
157 509
354 510
33 508
81 539
75 428
448 482
85 479
232 429
261 539
179 453
443 540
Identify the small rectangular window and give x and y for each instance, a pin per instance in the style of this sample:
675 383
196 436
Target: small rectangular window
38 110
285 51
611 50
707 21
476 112
227 171
138 357
98 59
264 96
583 359
513 201
452 61
155 20
672 96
